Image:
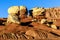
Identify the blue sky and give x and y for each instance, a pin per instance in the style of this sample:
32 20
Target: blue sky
5 4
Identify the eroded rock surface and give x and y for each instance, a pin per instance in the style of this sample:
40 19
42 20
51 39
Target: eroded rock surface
19 32
31 28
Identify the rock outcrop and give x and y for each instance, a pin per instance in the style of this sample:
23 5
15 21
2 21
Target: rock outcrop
41 24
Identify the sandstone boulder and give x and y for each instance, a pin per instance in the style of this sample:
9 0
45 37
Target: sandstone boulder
38 11
13 15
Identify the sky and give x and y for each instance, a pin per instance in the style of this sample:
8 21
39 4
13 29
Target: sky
5 4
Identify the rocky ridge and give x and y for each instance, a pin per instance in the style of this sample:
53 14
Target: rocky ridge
32 30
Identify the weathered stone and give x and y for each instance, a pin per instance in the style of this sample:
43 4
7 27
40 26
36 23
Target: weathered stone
23 12
34 28
53 26
53 13
32 33
13 15
43 21
37 11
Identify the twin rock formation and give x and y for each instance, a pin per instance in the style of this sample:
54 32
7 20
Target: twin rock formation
43 15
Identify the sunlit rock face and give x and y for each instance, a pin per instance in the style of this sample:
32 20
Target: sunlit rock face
50 13
13 15
53 13
37 11
23 12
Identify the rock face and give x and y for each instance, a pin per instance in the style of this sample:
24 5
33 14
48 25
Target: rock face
53 13
23 12
13 15
36 34
37 12
43 23
16 13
